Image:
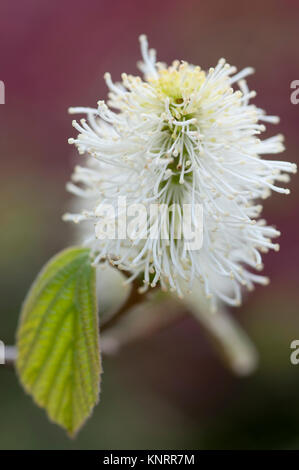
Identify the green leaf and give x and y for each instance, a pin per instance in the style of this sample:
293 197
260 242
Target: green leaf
58 340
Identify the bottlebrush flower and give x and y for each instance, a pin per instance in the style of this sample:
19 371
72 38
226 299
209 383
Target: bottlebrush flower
181 136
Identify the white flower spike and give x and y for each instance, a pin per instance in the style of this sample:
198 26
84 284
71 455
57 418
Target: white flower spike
181 136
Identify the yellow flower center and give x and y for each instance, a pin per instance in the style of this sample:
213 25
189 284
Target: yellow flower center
179 81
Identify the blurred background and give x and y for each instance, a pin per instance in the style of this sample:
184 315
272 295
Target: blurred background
170 390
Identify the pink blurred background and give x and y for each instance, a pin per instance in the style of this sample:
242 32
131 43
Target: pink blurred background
170 391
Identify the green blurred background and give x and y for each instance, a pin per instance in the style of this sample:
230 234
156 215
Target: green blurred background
170 390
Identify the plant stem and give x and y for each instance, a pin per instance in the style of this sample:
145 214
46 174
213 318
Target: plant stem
134 298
